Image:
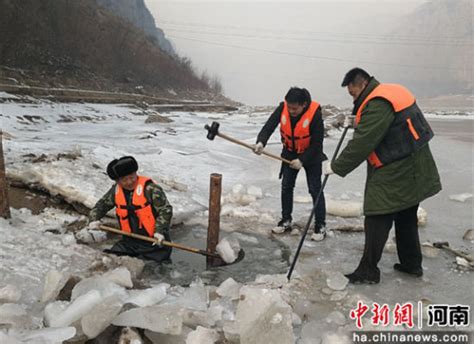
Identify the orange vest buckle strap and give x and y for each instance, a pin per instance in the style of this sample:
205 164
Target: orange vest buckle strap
374 160
140 206
299 139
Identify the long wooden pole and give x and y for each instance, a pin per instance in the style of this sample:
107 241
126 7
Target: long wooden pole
214 216
4 203
249 146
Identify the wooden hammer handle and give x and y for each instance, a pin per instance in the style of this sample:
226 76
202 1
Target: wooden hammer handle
155 241
458 253
231 139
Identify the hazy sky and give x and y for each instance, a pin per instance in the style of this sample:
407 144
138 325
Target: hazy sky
261 48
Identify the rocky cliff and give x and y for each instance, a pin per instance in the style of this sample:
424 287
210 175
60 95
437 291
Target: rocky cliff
438 34
136 12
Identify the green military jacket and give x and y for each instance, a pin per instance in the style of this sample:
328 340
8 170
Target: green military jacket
162 209
398 185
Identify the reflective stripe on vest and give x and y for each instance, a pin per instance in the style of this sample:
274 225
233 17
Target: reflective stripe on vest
301 137
141 207
399 97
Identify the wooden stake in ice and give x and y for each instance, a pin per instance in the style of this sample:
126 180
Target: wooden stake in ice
214 216
4 204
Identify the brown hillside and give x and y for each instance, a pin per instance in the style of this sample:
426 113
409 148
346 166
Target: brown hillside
78 41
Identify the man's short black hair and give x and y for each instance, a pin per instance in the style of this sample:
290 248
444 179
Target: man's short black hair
298 95
355 76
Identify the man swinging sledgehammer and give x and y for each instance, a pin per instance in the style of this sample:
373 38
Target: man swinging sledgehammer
302 134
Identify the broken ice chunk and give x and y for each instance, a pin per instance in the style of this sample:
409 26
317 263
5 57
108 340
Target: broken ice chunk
231 332
263 317
272 281
9 338
68 239
49 335
228 249
338 295
237 188
462 262
166 319
105 287
422 215
246 200
337 281
312 332
336 317
303 199
53 283
195 297
229 288
461 197
11 314
255 191
161 338
53 310
147 297
295 319
9 294
344 208
77 309
84 236
469 235
100 317
429 250
120 276
202 335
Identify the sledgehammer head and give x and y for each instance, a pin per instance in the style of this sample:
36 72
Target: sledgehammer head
212 130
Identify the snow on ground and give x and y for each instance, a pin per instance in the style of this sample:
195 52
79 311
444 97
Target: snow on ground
78 140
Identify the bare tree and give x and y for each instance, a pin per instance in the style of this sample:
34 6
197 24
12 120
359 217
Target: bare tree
216 84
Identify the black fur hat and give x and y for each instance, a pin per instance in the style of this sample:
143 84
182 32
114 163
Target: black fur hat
122 167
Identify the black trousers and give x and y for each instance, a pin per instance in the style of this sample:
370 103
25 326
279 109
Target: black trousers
313 179
377 229
141 249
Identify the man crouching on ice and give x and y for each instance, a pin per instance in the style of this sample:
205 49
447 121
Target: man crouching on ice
141 208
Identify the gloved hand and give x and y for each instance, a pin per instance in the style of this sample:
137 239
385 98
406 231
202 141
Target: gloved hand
160 237
296 164
94 225
327 170
348 121
258 148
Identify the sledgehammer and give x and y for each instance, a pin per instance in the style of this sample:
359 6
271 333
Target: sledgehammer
218 259
213 131
445 245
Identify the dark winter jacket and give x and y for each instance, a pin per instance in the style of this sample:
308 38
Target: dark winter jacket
314 153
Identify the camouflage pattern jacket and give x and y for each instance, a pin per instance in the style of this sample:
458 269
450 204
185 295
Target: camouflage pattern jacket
162 209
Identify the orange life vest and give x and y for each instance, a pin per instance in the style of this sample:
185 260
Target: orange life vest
400 98
140 205
299 139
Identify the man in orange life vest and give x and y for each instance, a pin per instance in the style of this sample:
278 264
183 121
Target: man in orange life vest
302 134
141 207
392 134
